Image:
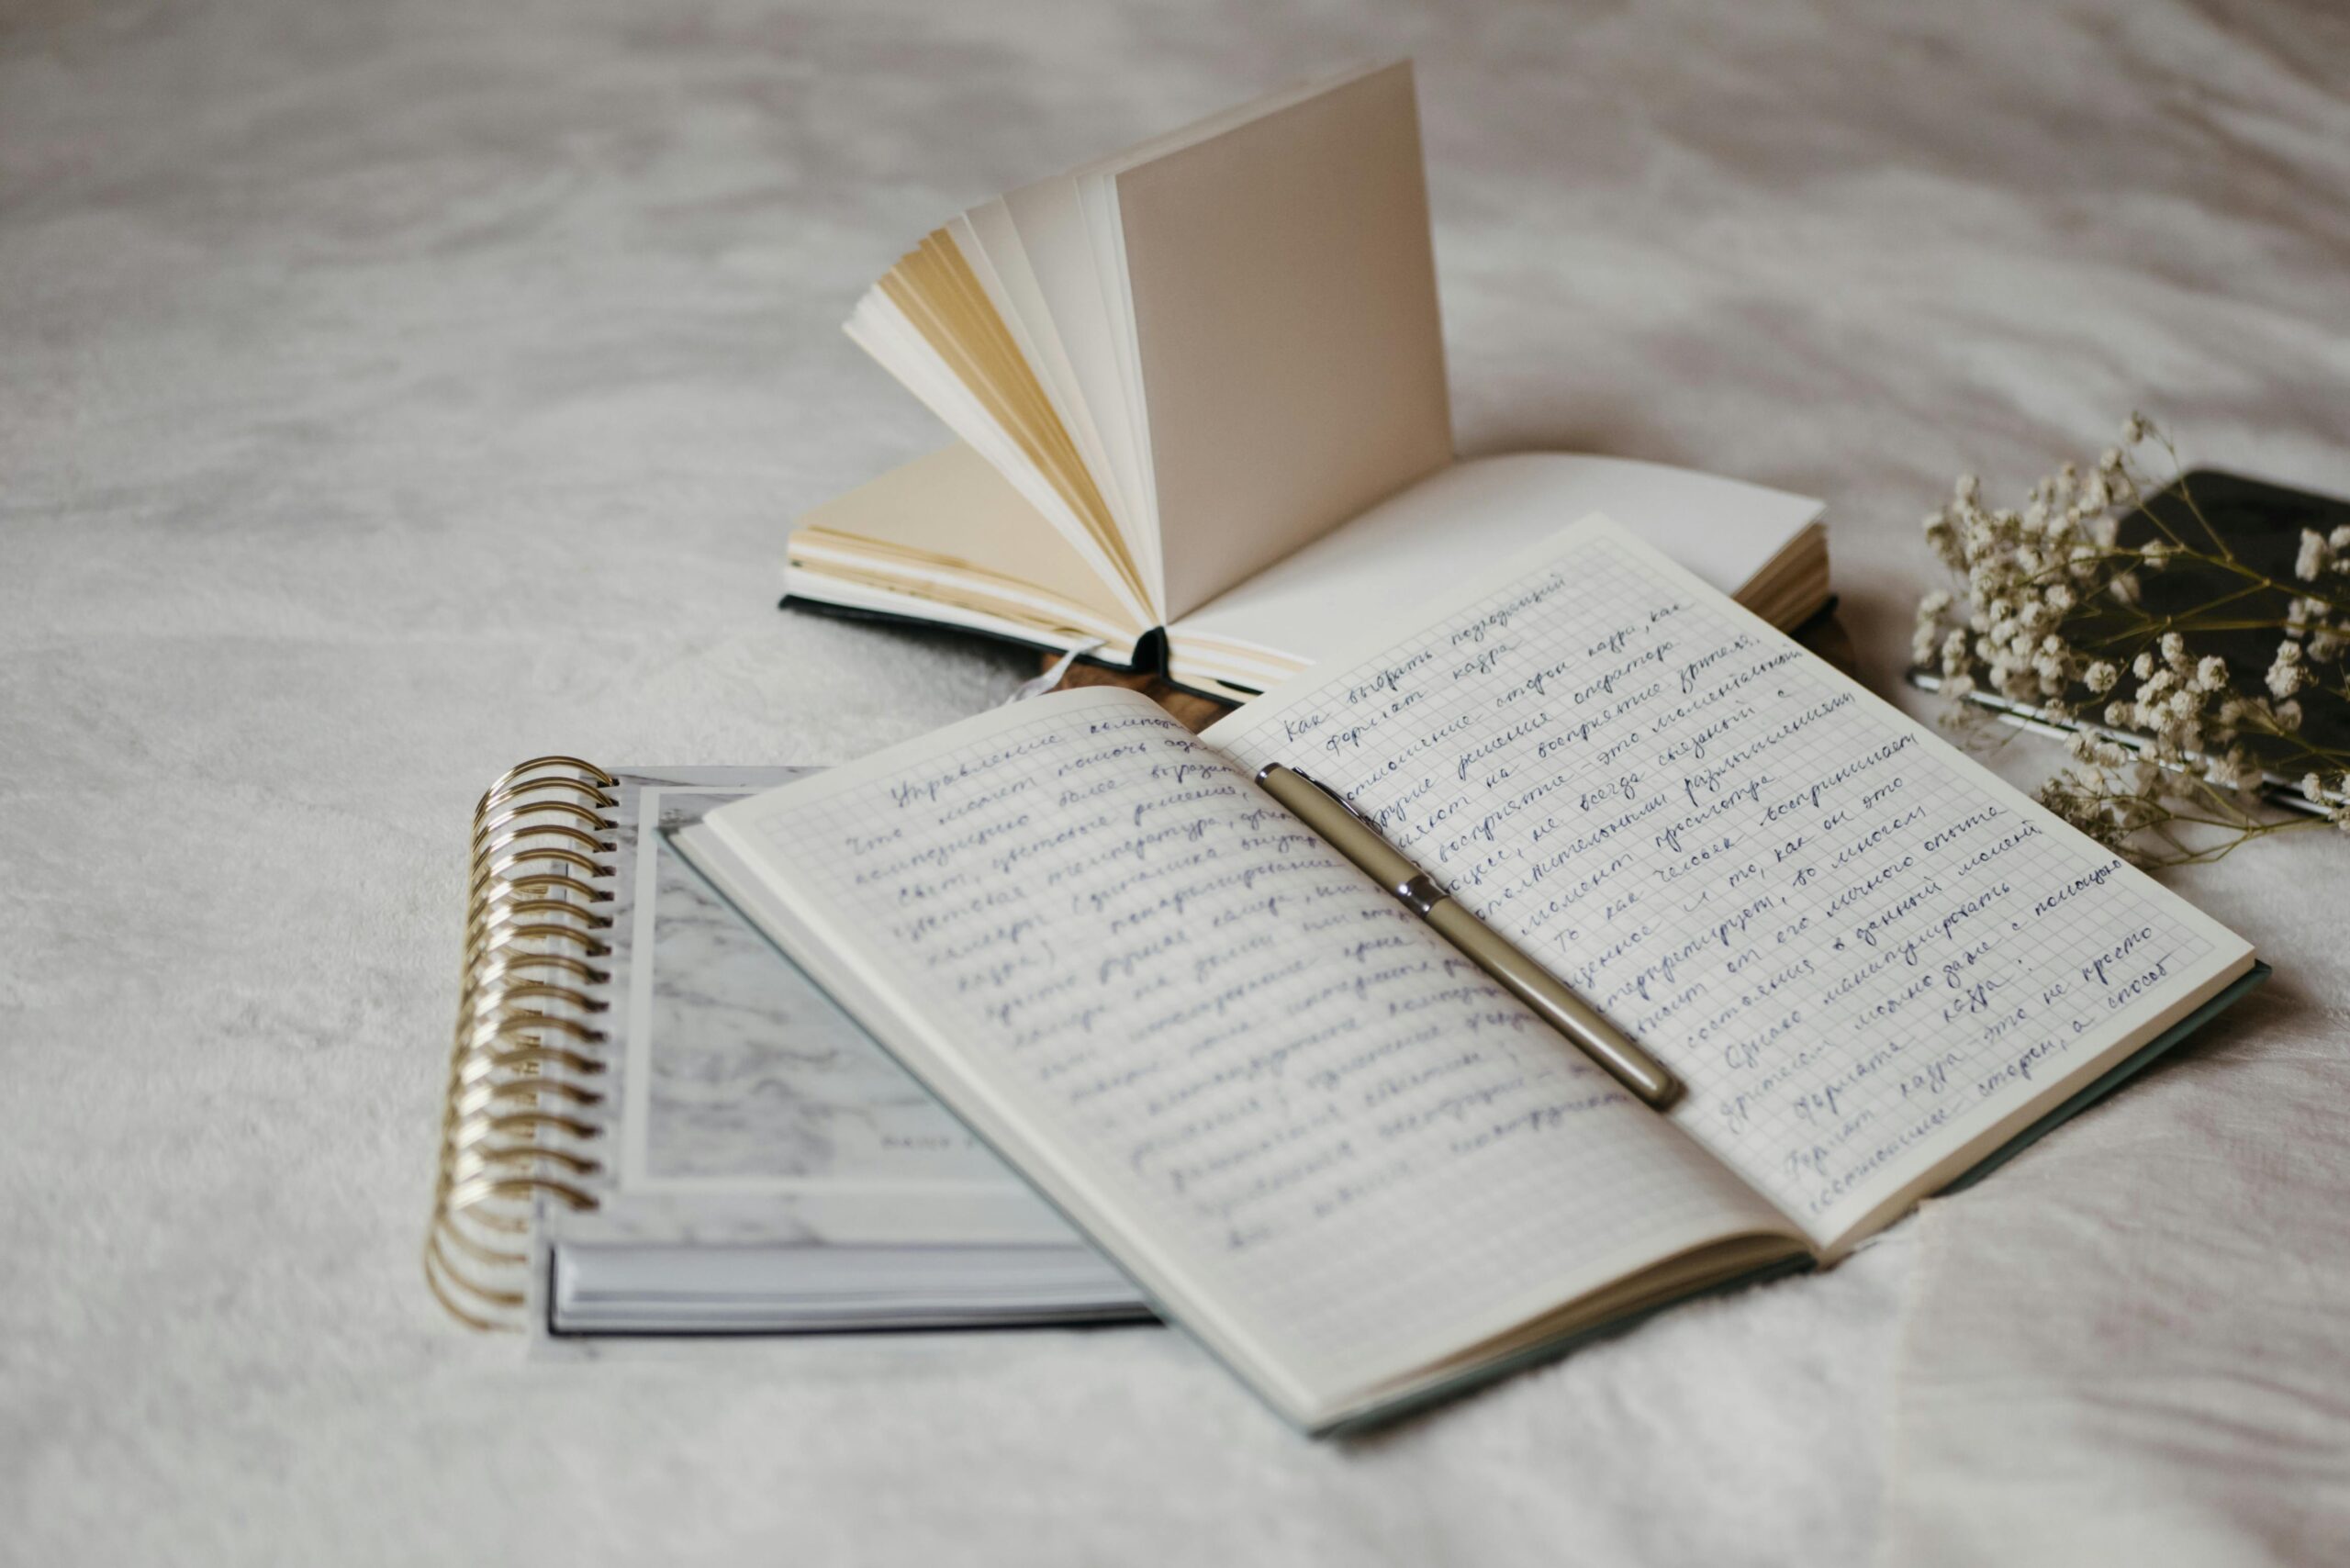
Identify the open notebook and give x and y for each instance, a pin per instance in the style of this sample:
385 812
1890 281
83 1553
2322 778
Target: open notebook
1328 1146
1201 395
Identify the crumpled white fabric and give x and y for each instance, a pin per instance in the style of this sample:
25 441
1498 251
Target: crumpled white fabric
392 391
2133 1344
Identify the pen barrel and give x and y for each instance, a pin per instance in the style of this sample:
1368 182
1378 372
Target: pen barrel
1339 828
1361 843
1557 1006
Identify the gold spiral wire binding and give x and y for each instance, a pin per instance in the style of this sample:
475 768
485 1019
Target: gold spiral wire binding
497 939
535 903
482 906
489 874
494 998
538 833
470 1100
518 1120
535 908
595 822
490 968
525 781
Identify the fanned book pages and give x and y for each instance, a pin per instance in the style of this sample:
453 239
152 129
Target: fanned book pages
1323 1142
1203 422
657 1125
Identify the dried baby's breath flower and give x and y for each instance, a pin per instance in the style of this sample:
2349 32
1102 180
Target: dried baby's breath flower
2231 771
2286 675
2052 611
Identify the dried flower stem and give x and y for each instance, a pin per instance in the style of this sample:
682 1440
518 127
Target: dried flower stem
2049 611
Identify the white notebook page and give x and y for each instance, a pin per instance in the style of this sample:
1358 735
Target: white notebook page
1268 1084
1378 568
1857 948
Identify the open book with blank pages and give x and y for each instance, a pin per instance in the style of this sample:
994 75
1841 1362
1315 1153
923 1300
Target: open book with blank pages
656 1127
1204 427
1319 1138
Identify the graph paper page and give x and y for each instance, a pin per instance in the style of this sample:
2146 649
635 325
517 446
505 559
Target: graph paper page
1862 952
1269 1089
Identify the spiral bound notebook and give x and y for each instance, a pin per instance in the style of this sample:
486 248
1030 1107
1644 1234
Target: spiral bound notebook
657 1124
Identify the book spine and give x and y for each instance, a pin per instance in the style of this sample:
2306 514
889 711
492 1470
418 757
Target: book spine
522 1112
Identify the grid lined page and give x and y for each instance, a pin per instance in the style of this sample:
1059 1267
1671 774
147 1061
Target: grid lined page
1856 948
1258 1064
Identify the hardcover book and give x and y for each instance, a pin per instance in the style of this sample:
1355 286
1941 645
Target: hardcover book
1203 424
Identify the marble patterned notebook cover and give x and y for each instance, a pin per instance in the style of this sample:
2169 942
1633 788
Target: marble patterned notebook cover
768 1167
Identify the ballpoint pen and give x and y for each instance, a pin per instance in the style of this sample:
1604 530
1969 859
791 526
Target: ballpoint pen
1345 831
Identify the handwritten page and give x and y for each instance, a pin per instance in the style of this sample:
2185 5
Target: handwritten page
1858 950
1285 1093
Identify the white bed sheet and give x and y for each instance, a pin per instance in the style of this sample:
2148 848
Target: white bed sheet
389 392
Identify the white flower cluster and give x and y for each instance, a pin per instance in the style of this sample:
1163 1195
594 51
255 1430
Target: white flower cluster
2175 690
2334 799
2052 613
2027 570
2287 673
2323 555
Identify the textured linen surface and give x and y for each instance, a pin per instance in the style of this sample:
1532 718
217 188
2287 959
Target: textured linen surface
2134 1344
391 390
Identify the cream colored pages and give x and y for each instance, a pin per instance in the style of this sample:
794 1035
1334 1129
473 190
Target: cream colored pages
991 241
883 329
952 524
1868 958
1326 1143
1284 323
1048 221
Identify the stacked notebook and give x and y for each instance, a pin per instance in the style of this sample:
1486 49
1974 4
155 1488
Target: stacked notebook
657 1124
1191 1059
1204 428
